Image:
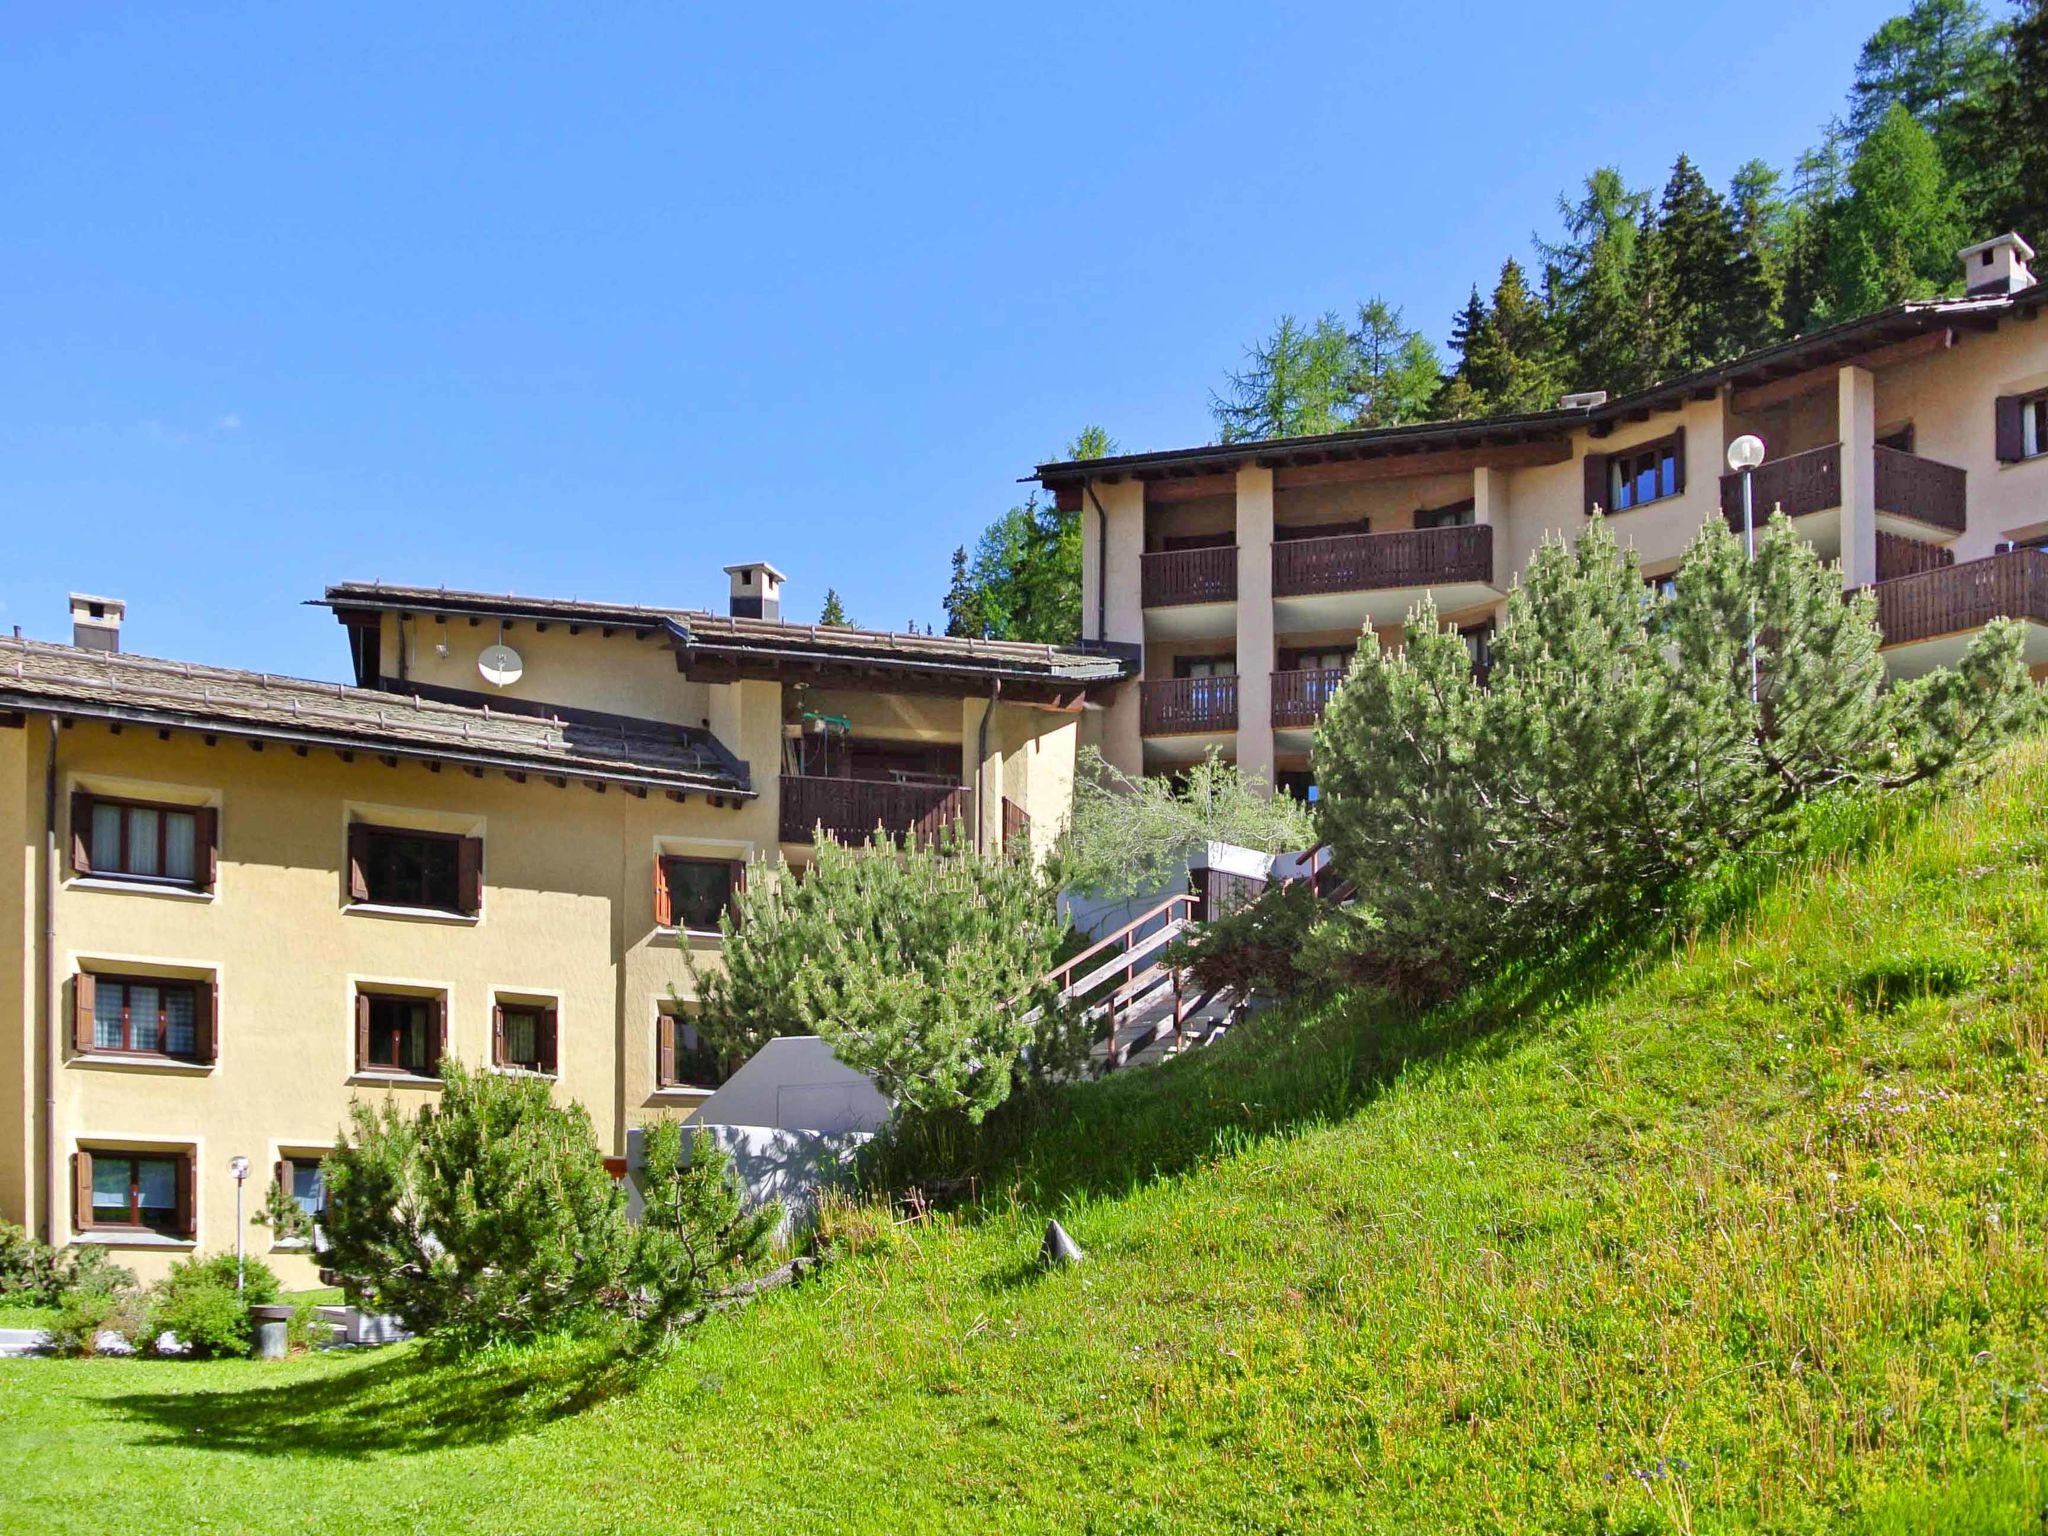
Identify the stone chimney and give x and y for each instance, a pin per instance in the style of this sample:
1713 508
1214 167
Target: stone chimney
756 590
96 622
1997 265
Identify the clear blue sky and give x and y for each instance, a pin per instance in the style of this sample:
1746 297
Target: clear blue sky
592 300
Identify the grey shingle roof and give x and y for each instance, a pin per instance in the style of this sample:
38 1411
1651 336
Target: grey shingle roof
64 679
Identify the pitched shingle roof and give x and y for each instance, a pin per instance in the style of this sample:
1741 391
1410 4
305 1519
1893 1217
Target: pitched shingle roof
63 679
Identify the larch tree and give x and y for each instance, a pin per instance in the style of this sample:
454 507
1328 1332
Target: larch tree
1897 232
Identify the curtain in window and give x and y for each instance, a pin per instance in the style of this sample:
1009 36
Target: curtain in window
142 835
181 1028
178 845
157 1183
106 836
106 1022
110 1189
522 1037
144 1031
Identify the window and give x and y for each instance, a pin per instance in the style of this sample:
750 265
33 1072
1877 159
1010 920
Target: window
692 894
1334 660
1299 783
523 1035
1645 474
432 871
1478 640
143 1016
2033 426
1346 529
305 1180
1461 514
683 1059
172 845
146 1191
2022 426
1205 666
399 1034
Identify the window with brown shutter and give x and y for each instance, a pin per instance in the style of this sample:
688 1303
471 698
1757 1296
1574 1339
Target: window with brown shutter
142 1016
2021 426
683 1058
700 891
1645 473
134 1191
665 1050
400 1033
423 871
523 1036
1596 484
144 842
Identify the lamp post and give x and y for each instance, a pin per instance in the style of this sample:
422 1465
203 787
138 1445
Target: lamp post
1744 454
239 1167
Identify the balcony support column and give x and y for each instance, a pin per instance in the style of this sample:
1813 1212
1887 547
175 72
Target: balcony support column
1255 623
1112 591
1489 495
1856 416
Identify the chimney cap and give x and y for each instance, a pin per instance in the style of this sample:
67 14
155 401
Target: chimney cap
2026 251
1996 266
109 607
1582 400
747 568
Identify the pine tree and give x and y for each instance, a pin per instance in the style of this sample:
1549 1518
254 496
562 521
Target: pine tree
1397 368
1929 61
1806 231
1602 285
1298 382
2014 182
835 611
963 606
1456 398
1756 287
1897 233
1512 362
1693 258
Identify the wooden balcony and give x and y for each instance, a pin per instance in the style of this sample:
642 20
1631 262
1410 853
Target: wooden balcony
1958 598
1925 490
1367 562
1299 698
1172 577
851 809
1904 485
1187 706
1799 483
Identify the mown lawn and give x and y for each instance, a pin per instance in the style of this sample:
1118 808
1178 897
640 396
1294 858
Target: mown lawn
1745 1233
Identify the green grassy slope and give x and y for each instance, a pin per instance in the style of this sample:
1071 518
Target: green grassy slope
1748 1234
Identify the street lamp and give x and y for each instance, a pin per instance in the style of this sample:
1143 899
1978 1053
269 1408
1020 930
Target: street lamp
1744 454
239 1168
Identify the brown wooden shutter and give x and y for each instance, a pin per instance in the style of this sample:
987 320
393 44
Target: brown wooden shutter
282 1172
469 875
362 1030
203 1033
81 1191
549 1037
84 994
1596 482
81 829
665 1051
358 861
497 1035
2010 437
206 846
188 1211
437 1032
664 913
739 883
1678 461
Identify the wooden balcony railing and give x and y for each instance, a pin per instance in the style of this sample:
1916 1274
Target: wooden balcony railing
1903 484
1186 706
1899 556
1925 489
1799 483
1016 822
1367 562
1299 698
1176 576
851 809
1964 597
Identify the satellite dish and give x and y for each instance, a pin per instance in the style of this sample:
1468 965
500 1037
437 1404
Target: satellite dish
500 665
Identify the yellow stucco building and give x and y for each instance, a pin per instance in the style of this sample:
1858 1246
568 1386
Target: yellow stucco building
241 900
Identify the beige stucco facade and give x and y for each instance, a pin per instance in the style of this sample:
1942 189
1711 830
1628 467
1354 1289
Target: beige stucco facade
566 921
1939 391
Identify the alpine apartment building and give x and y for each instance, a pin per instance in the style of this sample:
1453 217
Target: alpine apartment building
239 900
1911 445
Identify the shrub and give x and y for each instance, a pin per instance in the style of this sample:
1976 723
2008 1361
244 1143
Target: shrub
1131 834
305 1329
487 1215
1256 947
85 1315
1620 749
694 1228
31 1270
198 1303
921 967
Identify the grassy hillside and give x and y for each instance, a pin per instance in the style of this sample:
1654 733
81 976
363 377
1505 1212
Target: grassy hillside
1743 1233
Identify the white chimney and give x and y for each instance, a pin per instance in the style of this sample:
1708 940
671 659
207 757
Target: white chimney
96 622
1584 400
756 590
1997 265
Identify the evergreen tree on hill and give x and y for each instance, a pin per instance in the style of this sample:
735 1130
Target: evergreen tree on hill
1397 368
1693 259
1756 287
2011 130
1600 277
1806 230
834 613
1296 383
1929 61
1512 361
1896 235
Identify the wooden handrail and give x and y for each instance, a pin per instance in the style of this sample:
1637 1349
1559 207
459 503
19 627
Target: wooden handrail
1363 562
1181 706
1799 483
1300 697
1061 975
1963 597
851 809
1174 576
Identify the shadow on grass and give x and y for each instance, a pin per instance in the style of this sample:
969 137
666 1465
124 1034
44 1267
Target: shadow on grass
397 1402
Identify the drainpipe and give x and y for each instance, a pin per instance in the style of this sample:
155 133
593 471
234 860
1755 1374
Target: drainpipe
995 690
1101 561
52 1044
